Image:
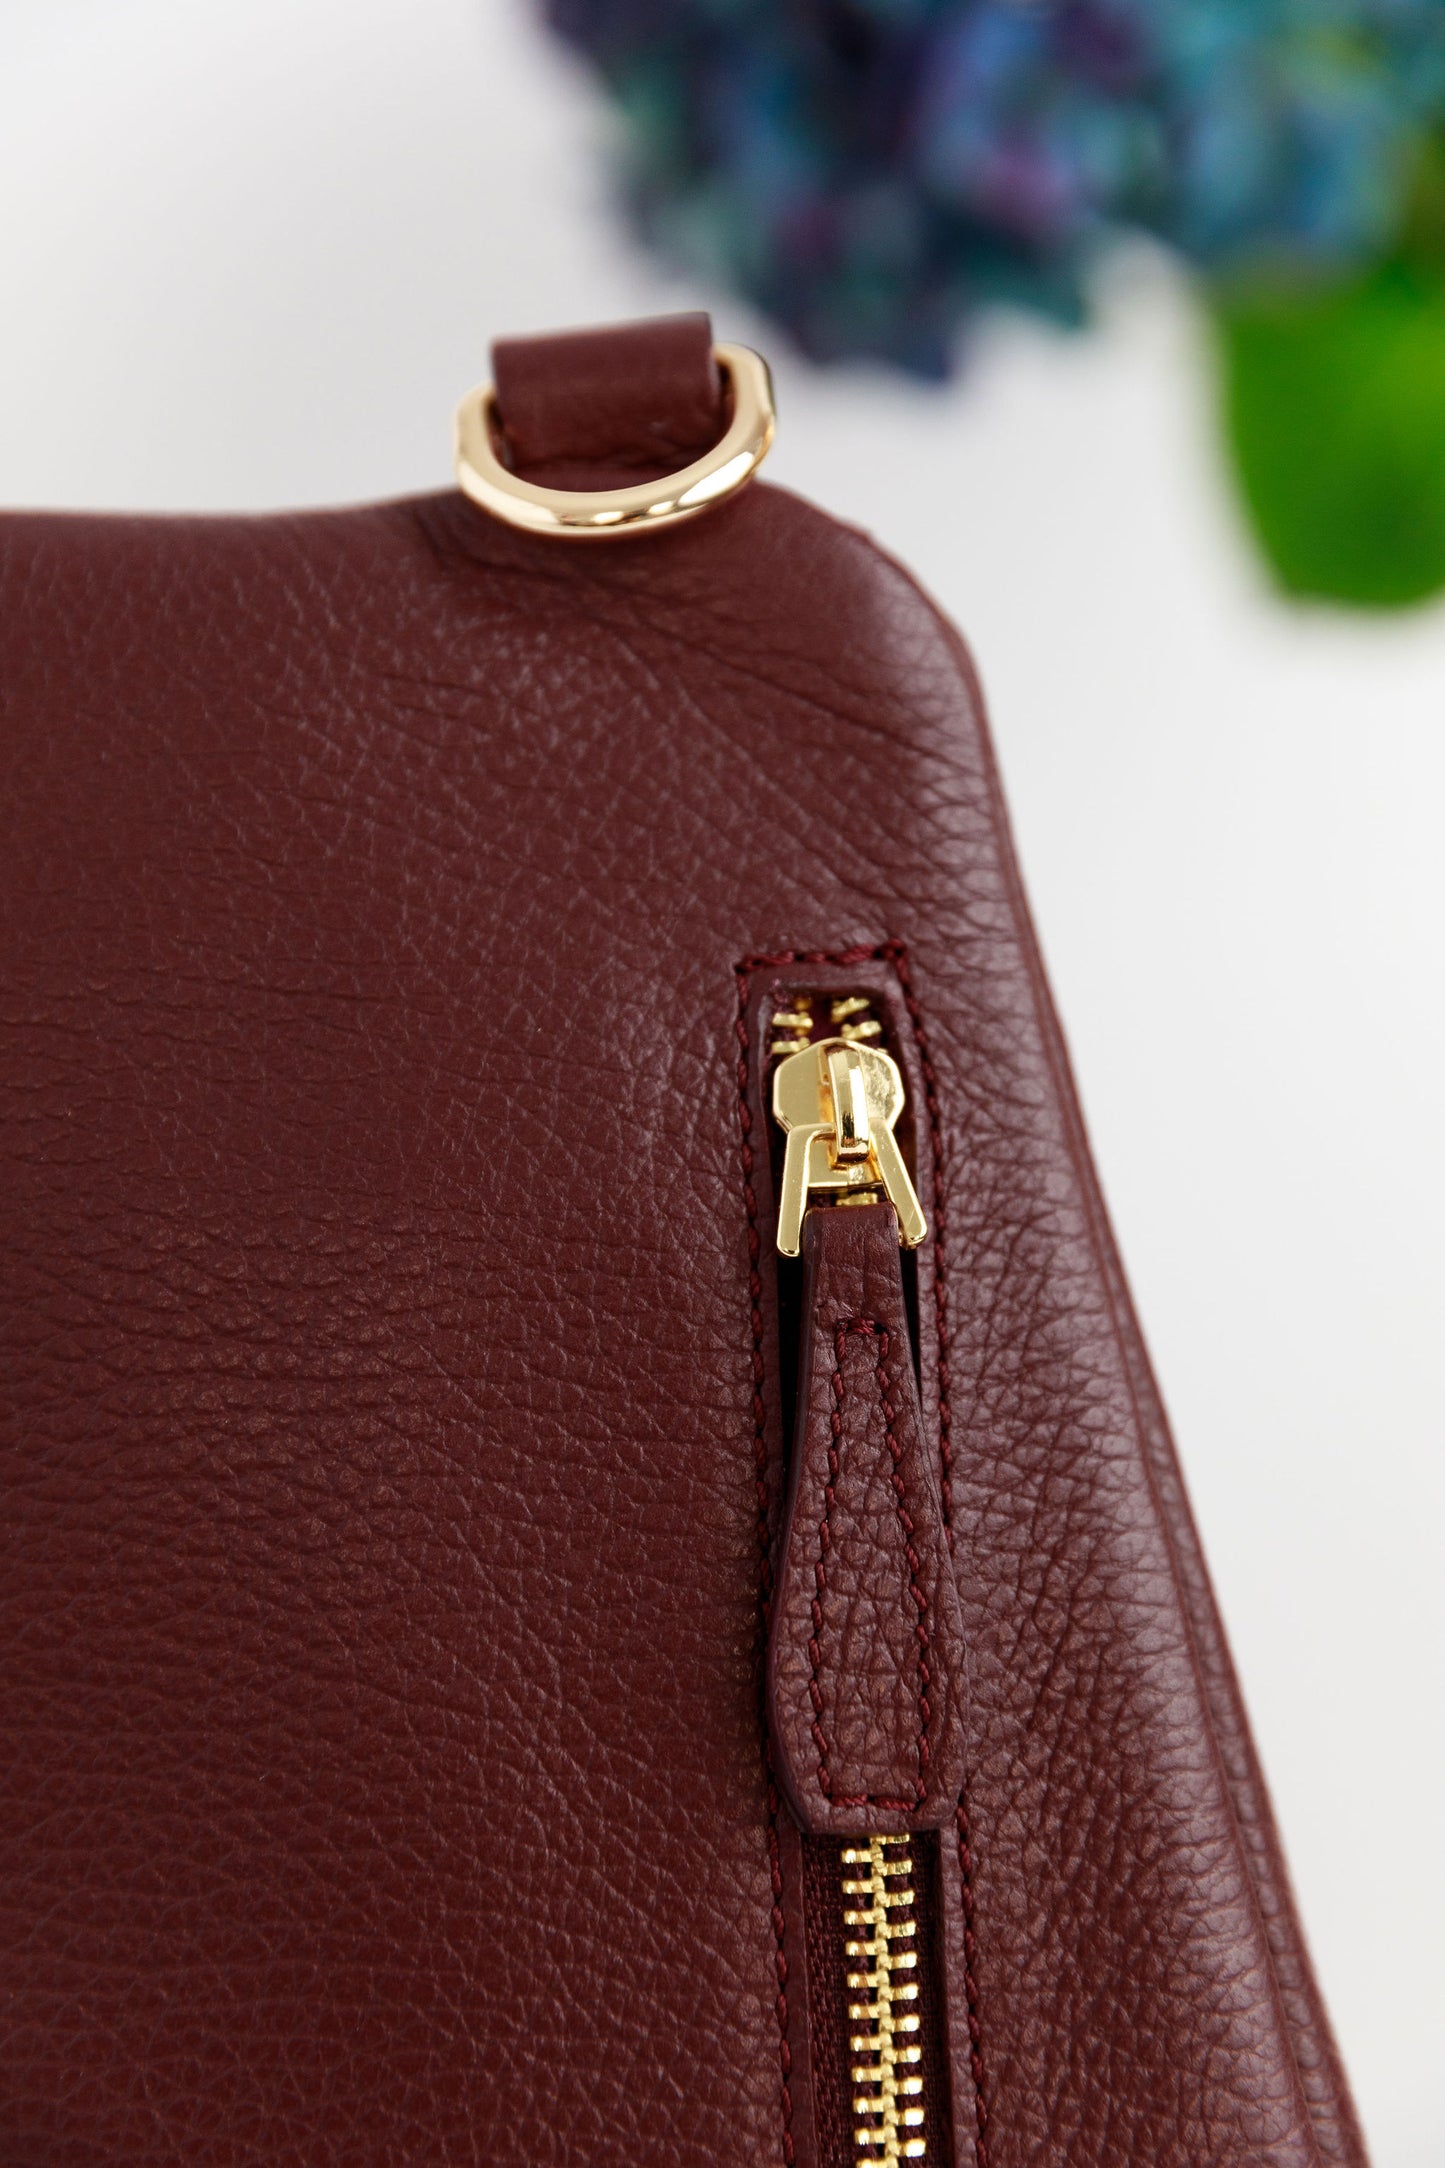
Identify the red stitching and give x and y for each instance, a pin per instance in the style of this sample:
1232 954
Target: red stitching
765 1566
867 1328
970 1985
894 953
898 956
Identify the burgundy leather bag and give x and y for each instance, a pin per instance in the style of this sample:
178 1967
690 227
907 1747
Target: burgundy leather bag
507 1660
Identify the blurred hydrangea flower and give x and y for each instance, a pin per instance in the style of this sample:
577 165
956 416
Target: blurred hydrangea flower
871 172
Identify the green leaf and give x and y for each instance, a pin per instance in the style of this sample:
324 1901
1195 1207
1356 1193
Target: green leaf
1335 407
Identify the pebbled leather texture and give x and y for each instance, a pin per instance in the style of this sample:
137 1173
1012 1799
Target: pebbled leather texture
391 1459
866 1680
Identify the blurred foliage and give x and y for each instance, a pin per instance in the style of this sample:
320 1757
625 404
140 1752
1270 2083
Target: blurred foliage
1335 405
872 173
1336 412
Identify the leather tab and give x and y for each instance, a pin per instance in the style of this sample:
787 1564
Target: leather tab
865 1658
620 403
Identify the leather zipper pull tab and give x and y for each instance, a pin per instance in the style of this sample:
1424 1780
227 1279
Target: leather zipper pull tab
866 1679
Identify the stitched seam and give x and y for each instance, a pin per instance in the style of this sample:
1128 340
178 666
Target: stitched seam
970 1986
894 952
765 1566
867 1328
898 956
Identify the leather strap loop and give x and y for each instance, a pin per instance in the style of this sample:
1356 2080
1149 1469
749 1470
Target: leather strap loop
600 408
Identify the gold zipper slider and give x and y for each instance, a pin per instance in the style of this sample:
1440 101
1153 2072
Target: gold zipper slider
838 1102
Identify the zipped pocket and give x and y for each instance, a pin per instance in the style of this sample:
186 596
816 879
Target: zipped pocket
865 1671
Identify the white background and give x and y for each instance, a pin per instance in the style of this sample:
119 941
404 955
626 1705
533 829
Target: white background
249 256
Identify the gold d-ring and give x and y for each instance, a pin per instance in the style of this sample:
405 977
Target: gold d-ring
642 506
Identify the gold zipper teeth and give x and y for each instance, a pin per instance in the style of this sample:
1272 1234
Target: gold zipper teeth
888 2115
791 1028
853 1015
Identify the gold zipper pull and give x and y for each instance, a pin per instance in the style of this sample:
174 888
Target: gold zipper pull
838 1102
